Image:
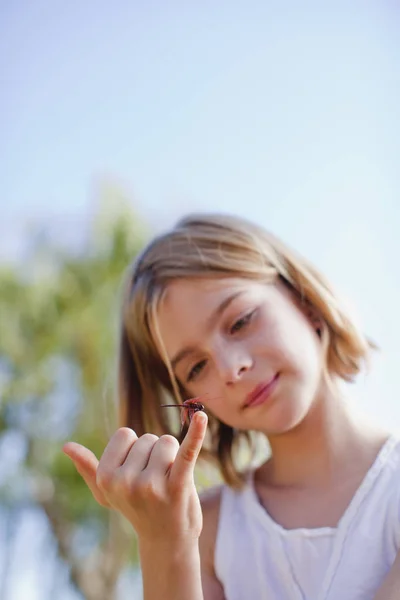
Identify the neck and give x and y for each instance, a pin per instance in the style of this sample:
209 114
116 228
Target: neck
330 443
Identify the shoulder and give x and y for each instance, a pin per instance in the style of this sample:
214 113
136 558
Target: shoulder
390 455
387 486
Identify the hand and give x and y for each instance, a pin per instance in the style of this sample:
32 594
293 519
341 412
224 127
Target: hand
149 480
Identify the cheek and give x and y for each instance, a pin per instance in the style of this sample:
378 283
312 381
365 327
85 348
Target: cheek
293 344
217 405
224 413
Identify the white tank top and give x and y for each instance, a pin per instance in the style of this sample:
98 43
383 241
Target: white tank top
257 559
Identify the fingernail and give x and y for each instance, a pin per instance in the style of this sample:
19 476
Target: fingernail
201 417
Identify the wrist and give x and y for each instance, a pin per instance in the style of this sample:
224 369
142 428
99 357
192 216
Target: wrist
168 550
171 569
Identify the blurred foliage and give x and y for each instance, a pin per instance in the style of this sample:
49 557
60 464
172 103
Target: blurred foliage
59 323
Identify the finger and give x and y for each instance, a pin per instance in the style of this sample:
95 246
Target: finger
118 448
113 458
163 455
86 464
82 457
189 450
139 455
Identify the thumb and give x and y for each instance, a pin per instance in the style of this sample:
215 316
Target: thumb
189 450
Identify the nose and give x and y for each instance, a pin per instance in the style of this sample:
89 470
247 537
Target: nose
233 365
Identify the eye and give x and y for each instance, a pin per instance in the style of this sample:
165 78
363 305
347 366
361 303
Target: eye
242 322
196 370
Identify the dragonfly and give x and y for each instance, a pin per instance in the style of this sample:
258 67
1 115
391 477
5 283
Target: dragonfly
191 406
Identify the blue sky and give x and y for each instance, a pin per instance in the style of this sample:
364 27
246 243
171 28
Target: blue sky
285 112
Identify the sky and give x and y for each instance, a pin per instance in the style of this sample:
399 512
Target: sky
284 112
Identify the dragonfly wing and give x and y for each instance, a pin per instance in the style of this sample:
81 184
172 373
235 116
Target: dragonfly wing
183 416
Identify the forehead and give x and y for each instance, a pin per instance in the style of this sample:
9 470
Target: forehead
187 304
184 298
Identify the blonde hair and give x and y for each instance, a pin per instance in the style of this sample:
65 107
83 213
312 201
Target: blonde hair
204 246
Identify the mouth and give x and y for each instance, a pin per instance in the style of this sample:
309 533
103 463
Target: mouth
261 392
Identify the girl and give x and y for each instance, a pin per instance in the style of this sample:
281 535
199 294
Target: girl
220 309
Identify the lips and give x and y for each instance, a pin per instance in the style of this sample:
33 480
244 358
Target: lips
261 392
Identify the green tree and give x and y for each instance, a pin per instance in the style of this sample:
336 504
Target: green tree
59 321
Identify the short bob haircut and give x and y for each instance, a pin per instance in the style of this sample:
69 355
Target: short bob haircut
206 246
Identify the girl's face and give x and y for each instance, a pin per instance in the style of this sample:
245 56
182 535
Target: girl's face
245 347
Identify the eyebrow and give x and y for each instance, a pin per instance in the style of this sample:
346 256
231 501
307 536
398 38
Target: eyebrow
214 317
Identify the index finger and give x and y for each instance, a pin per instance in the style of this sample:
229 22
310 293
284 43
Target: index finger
183 466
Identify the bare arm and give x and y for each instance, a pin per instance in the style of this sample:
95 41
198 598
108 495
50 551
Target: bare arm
390 588
172 572
185 573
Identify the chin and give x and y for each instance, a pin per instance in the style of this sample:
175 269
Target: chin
285 417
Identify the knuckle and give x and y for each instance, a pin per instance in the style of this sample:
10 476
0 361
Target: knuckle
176 486
149 438
123 484
146 488
189 454
169 441
125 434
104 479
